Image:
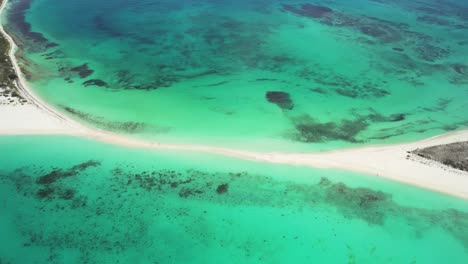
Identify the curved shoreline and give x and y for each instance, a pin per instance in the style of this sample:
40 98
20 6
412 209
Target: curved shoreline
389 161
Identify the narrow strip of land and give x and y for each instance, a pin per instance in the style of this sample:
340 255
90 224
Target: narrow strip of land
391 162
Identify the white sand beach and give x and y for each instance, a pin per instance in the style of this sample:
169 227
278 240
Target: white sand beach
392 162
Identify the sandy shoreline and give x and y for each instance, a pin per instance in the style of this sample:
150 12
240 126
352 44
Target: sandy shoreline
391 162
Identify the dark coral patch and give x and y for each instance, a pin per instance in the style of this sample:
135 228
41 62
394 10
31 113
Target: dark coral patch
431 53
362 91
222 188
17 17
68 194
397 117
82 70
95 82
374 116
58 174
361 203
345 86
45 193
372 31
311 131
281 99
129 196
127 127
382 30
186 192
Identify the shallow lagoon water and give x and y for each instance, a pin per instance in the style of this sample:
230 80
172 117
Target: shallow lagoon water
72 200
345 73
252 74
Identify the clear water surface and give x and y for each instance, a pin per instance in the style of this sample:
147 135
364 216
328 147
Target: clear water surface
256 74
72 200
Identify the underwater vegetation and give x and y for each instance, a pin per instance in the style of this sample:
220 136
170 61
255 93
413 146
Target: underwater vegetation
111 208
252 60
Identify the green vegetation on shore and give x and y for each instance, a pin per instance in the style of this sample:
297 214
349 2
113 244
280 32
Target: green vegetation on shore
454 155
7 72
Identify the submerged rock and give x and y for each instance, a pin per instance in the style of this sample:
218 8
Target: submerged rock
82 70
281 99
223 188
95 82
309 130
58 174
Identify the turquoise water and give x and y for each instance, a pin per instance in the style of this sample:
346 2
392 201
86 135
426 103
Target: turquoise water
283 75
253 74
72 200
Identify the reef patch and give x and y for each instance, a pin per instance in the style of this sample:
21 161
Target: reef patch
281 99
83 70
308 130
95 82
59 174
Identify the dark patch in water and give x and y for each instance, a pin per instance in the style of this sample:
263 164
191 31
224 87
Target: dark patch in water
134 81
50 186
397 117
377 31
265 80
59 174
185 192
126 127
212 84
371 204
373 31
95 82
131 200
82 70
57 54
281 99
461 76
431 53
45 193
68 194
17 16
309 130
382 30
222 188
442 104
362 91
461 69
374 116
345 86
